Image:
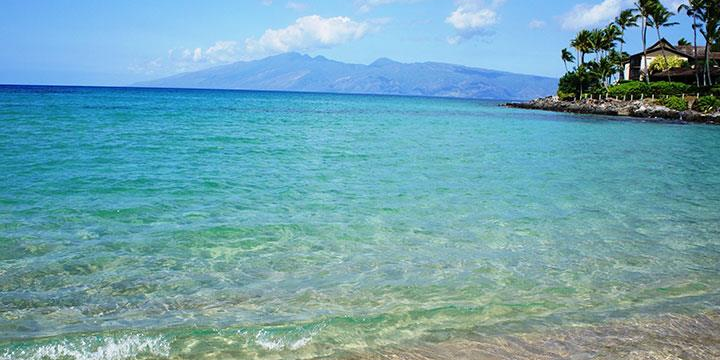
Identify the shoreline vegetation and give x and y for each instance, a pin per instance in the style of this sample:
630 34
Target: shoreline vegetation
646 108
673 101
662 82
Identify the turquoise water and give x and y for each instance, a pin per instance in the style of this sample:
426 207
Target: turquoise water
138 224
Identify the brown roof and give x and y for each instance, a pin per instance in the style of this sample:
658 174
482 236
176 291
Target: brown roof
689 49
662 44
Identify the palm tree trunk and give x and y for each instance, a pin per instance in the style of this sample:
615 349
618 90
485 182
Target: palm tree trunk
662 50
707 64
578 55
697 69
622 68
644 42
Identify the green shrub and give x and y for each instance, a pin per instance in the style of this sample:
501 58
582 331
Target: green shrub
715 90
669 88
675 103
708 104
626 89
565 96
569 83
578 81
638 88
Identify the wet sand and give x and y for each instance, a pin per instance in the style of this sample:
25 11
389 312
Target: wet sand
667 337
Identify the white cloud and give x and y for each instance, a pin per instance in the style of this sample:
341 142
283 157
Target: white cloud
309 32
197 55
222 52
367 5
473 18
536 24
189 59
297 6
463 19
587 15
673 5
266 2
218 53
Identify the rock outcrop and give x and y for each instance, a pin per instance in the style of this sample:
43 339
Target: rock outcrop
638 108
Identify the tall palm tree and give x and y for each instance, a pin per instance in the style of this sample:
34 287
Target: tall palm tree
625 20
567 57
612 34
597 42
692 10
709 14
643 9
659 18
582 44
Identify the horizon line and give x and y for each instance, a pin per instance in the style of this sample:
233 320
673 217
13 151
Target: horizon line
4 85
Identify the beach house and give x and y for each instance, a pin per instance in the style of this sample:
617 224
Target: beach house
635 65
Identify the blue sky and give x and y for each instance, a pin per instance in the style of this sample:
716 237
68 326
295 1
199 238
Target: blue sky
90 42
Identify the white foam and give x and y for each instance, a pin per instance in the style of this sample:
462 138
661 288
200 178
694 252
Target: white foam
123 348
300 343
276 343
268 342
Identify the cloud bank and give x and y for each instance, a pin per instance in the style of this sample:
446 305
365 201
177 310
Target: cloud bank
307 33
473 18
588 15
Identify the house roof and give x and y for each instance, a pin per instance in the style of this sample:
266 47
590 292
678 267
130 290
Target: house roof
682 51
689 49
663 44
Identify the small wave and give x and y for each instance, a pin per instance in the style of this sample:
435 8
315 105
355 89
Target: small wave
94 348
288 341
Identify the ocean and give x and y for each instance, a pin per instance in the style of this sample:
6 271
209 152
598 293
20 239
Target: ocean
201 224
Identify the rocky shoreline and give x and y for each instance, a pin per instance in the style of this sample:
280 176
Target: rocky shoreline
612 107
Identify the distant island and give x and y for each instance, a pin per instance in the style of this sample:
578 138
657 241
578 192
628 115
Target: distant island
297 72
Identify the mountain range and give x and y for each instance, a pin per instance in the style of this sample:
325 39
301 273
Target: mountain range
298 72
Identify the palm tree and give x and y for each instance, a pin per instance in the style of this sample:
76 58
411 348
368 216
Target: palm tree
683 42
603 69
608 37
693 10
597 42
567 57
582 44
582 72
612 34
708 13
625 20
643 8
660 17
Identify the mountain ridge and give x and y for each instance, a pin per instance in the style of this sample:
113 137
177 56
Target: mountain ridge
301 72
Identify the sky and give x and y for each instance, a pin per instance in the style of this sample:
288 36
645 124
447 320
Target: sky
119 42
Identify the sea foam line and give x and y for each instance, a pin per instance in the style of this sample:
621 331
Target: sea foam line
93 348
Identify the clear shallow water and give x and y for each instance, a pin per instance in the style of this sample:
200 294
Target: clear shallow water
209 224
